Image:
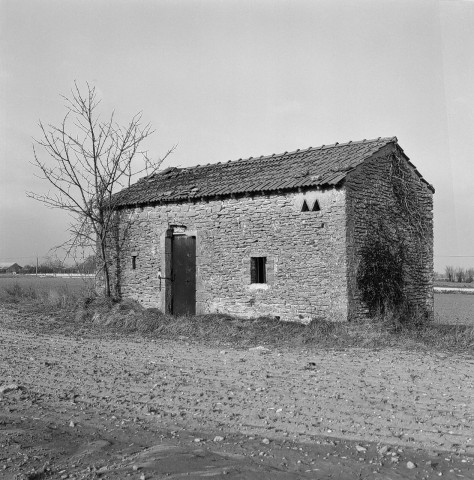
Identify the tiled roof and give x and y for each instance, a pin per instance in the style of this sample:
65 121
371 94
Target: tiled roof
322 166
5 265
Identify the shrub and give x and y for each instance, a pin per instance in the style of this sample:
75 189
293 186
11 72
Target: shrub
380 276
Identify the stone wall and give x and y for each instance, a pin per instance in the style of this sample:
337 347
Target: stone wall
386 194
306 254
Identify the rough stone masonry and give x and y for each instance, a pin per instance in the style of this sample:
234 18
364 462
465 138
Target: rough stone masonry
308 218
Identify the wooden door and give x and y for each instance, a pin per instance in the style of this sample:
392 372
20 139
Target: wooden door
183 273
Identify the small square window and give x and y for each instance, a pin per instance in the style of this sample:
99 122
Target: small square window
258 270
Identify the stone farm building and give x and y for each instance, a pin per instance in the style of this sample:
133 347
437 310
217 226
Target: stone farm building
284 235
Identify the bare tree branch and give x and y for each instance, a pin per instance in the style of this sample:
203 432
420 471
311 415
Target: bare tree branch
87 161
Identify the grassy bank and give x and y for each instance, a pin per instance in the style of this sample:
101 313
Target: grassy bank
51 292
130 317
79 310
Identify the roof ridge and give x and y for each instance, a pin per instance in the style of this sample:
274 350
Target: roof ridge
299 150
352 142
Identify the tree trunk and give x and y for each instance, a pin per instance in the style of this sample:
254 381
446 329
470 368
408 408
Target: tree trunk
105 268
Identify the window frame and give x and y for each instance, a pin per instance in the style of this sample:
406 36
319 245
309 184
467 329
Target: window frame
258 270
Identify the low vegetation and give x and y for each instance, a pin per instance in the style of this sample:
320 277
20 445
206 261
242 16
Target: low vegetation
44 292
79 310
464 286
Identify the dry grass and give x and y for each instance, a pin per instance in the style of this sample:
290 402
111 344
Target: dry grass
130 317
442 283
57 296
83 311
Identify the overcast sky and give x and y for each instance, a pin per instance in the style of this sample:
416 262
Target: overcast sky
232 79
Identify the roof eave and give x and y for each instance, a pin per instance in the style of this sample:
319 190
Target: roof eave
180 199
407 158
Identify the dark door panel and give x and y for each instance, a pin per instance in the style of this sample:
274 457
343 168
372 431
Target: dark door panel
184 275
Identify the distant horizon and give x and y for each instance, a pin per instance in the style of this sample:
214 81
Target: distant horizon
68 264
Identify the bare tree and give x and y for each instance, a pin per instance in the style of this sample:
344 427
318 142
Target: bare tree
459 274
449 273
470 275
53 264
89 161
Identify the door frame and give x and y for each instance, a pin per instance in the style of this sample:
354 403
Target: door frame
183 275
167 262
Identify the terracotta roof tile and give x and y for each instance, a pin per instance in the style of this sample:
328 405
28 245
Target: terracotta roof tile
321 166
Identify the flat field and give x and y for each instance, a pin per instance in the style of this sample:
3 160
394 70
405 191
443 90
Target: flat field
454 308
44 284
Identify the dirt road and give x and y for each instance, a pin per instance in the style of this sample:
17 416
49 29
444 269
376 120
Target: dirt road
340 405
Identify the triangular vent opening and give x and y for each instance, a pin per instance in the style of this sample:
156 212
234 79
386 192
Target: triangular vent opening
316 207
305 207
